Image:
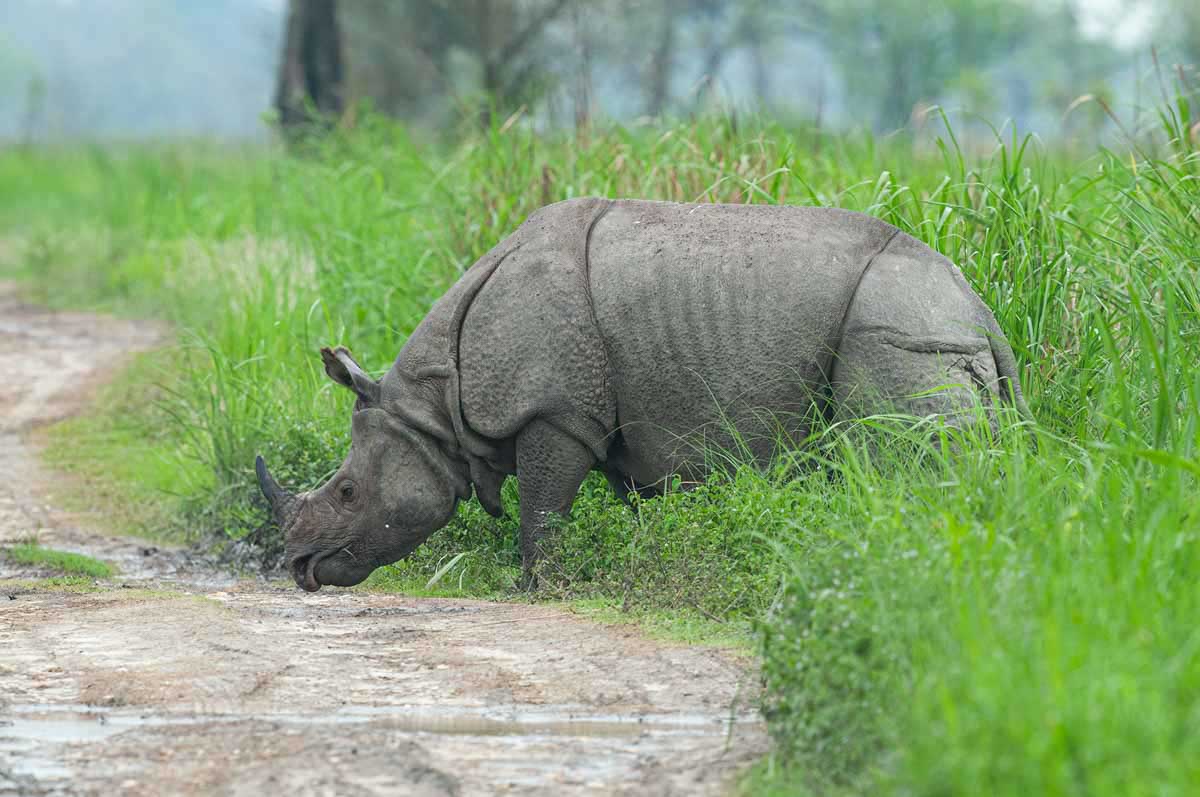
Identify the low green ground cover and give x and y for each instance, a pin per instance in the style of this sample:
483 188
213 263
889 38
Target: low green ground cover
1020 618
14 587
71 564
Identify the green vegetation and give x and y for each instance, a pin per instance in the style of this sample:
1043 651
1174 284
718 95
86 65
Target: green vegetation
671 625
123 459
73 584
72 564
1014 619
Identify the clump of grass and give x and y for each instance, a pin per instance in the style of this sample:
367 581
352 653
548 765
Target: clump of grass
30 553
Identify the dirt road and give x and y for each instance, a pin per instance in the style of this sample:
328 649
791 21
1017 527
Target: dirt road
170 678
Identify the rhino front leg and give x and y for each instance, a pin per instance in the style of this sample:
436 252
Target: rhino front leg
551 465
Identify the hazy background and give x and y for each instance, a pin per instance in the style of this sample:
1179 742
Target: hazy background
152 68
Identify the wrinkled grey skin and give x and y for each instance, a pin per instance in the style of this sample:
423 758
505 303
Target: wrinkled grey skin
630 337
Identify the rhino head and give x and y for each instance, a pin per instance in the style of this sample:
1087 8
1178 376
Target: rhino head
395 488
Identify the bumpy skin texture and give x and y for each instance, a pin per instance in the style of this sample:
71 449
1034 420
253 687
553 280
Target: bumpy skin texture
714 314
633 336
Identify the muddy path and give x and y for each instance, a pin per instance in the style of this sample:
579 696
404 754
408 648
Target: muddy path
174 678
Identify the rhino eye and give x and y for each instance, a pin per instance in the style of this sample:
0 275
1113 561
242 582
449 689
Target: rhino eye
347 492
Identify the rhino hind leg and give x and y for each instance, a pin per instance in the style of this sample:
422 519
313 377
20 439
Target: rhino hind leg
878 373
916 341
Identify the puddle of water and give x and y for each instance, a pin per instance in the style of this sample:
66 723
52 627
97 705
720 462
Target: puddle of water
324 611
78 723
23 742
59 730
34 738
493 722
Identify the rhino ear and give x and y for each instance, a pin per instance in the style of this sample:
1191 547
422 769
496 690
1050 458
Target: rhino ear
342 368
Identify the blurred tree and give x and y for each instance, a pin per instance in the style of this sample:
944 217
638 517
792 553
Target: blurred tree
895 54
311 76
1179 23
411 56
708 32
715 36
755 25
757 33
435 62
504 40
398 55
429 61
1071 75
658 78
584 51
35 108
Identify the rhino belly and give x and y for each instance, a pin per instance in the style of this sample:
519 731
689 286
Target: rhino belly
720 323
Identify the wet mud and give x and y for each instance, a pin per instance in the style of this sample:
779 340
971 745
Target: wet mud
176 677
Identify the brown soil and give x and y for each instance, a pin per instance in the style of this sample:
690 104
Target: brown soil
170 678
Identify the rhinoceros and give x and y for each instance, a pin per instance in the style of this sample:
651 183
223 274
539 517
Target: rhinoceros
633 337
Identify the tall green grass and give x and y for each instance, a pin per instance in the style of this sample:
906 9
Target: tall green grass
1007 619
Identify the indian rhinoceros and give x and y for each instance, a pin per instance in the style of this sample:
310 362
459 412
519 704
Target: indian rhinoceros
633 337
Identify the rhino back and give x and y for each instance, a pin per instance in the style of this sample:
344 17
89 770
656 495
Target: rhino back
715 316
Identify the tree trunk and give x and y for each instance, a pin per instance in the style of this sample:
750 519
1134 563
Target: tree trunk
713 58
311 73
660 64
583 86
758 64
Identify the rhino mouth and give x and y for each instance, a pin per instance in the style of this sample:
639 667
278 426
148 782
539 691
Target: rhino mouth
304 571
338 568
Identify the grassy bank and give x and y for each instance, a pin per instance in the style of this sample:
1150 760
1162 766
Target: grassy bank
1014 620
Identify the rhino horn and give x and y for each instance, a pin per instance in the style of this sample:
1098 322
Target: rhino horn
281 500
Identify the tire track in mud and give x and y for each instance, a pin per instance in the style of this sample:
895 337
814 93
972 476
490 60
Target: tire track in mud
177 679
